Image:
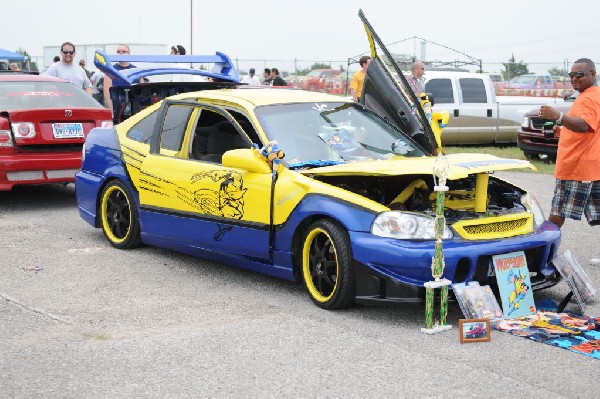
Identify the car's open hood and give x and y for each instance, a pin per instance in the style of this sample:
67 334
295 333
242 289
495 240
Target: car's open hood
153 65
387 92
460 166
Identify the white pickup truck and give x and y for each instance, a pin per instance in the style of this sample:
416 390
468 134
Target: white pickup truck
477 115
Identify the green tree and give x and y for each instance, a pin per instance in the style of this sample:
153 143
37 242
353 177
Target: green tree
555 71
32 65
513 68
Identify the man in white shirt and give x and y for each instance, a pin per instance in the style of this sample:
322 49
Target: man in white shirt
65 69
251 79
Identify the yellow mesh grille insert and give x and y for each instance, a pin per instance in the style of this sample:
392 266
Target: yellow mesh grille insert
495 227
498 227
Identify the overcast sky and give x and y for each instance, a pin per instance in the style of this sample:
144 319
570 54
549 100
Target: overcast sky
540 33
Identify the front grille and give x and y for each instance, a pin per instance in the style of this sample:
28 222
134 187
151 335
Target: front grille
491 228
537 123
498 227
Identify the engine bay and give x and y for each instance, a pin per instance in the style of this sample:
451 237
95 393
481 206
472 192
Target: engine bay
415 193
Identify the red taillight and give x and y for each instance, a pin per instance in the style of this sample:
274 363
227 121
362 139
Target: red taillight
5 138
23 129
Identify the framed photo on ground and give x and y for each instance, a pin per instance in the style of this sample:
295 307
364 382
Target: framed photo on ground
474 330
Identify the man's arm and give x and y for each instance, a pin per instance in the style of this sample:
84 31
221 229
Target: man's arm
107 86
573 123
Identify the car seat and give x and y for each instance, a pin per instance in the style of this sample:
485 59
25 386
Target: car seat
222 138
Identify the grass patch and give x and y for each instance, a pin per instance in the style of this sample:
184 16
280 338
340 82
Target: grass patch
512 152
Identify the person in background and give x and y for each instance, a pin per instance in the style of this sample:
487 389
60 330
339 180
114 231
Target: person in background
177 50
14 67
356 84
251 79
267 77
65 69
56 58
107 84
577 171
87 72
416 80
276 79
97 80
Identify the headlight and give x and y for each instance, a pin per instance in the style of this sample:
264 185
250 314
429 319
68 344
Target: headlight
525 122
406 226
534 207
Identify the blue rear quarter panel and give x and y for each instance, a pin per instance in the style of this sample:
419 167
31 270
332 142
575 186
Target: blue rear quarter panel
102 162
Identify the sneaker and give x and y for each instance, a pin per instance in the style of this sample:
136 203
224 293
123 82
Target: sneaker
595 261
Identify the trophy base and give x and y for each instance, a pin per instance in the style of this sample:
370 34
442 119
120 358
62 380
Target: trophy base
436 329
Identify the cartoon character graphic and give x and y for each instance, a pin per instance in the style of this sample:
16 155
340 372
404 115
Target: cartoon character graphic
520 290
226 199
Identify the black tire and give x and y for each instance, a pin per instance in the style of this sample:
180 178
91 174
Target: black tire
119 217
327 265
531 156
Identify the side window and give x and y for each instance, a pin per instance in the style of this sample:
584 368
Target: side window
473 90
441 90
174 126
142 131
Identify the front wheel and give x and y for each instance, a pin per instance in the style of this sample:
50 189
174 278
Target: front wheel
327 265
119 216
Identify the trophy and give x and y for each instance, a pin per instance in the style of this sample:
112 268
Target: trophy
440 175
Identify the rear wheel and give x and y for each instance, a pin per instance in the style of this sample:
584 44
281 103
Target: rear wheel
120 220
327 265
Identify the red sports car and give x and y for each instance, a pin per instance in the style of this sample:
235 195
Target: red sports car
43 124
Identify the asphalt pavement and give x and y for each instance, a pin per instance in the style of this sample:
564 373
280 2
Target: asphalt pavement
81 319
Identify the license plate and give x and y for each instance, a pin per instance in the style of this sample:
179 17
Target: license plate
67 130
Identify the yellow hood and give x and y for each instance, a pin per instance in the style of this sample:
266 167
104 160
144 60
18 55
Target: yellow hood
460 166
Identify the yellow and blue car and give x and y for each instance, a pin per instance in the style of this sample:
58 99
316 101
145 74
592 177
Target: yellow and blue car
300 185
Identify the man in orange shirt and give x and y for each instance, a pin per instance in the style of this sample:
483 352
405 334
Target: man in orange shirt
577 170
356 84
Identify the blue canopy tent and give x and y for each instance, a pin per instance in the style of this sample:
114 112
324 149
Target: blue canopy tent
6 57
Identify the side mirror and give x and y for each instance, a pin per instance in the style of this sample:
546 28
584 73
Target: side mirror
247 159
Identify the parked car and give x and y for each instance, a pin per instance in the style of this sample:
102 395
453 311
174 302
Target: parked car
43 124
307 187
331 81
537 85
530 136
478 116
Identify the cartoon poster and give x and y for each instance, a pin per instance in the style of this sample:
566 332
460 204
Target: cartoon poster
514 284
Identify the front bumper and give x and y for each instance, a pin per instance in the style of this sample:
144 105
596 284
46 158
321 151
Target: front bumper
537 144
395 270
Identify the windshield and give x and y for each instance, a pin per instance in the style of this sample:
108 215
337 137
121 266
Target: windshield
332 133
529 79
41 95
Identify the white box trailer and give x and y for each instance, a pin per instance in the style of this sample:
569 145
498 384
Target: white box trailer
86 51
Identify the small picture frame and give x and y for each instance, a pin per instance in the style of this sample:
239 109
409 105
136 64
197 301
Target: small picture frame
474 330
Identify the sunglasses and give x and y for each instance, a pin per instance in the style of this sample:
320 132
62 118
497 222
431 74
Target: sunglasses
122 51
68 52
577 75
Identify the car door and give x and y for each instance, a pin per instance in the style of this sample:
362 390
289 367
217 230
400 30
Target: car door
478 118
444 95
387 92
197 204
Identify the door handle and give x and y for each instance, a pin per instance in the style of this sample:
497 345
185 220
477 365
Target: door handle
456 113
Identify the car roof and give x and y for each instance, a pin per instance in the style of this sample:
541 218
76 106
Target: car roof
259 96
21 77
456 74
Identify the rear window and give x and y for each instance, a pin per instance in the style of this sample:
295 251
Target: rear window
441 89
41 95
473 90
